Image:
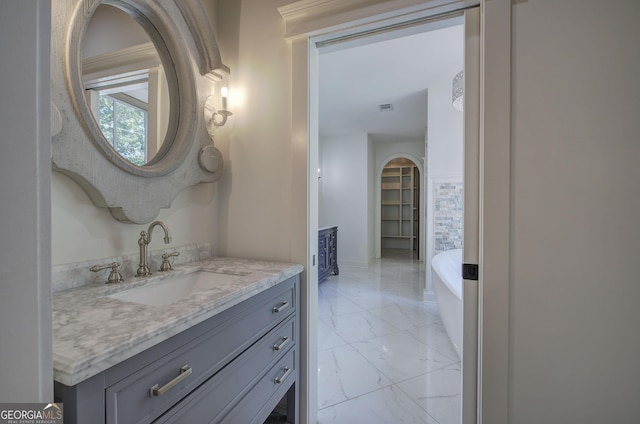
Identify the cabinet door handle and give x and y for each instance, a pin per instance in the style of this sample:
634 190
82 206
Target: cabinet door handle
285 340
280 379
280 308
185 372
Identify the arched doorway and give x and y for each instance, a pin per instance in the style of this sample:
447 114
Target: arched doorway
400 199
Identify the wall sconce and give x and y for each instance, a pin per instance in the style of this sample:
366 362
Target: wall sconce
222 113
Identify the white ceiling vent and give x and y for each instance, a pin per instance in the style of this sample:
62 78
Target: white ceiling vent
387 107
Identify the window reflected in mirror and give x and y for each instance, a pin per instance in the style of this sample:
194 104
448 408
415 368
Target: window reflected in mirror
122 118
125 85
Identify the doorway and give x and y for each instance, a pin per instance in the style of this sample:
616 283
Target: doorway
400 210
306 41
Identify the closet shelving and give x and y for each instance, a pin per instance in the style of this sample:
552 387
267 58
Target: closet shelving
400 191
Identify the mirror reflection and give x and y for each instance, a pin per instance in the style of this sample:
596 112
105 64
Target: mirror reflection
125 85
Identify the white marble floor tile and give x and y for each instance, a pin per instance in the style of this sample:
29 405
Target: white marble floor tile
400 356
327 289
345 374
336 305
406 315
384 406
371 298
403 290
359 326
438 392
328 338
435 336
384 356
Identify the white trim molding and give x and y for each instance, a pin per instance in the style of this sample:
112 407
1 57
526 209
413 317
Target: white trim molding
495 211
315 17
135 58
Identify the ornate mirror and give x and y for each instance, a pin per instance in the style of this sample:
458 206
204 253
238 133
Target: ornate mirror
126 83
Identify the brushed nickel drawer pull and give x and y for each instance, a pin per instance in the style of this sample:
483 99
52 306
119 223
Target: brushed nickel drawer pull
279 380
185 372
285 340
280 308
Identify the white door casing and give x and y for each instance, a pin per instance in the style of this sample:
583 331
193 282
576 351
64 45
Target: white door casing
316 20
471 213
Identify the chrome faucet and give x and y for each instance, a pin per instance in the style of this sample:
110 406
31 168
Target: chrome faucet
143 242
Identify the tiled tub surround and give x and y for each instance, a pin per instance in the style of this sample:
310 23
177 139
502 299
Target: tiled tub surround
447 215
92 332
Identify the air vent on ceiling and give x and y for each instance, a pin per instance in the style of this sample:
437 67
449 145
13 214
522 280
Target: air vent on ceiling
387 107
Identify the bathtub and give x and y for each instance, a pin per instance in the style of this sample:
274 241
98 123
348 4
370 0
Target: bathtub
447 283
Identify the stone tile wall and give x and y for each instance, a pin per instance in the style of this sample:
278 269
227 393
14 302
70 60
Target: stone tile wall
447 215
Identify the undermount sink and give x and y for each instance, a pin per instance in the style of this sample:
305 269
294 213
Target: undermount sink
172 289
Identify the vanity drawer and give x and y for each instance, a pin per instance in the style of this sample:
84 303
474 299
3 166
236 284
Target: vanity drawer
256 406
131 401
213 400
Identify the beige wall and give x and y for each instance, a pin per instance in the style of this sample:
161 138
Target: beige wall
81 231
575 208
256 192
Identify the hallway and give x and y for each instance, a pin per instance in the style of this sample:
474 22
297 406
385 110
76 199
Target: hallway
384 356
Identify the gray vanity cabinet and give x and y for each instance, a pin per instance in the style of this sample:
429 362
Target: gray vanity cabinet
327 252
235 367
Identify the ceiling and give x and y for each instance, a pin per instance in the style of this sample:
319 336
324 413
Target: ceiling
395 68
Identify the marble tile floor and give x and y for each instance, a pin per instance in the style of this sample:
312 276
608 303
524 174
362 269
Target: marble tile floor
383 354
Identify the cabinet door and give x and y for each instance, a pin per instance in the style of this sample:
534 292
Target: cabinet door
322 252
332 250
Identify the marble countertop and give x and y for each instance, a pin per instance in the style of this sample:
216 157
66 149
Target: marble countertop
92 332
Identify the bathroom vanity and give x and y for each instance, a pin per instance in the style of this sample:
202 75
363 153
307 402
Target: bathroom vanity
327 252
214 340
226 354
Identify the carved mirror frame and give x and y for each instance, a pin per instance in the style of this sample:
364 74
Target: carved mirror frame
184 39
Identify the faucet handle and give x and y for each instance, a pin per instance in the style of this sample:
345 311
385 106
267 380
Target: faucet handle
114 275
166 265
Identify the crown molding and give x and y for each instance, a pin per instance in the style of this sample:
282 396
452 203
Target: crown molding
314 17
314 8
137 57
